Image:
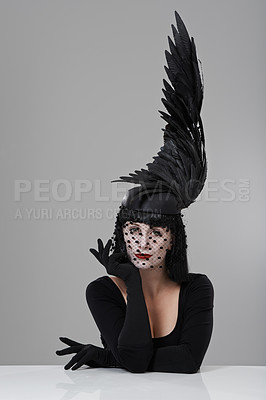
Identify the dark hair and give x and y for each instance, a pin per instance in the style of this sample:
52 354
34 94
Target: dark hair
176 259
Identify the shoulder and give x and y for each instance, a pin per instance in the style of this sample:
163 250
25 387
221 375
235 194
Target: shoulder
98 284
198 279
102 287
199 287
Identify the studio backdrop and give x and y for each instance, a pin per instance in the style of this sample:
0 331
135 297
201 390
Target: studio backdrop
81 86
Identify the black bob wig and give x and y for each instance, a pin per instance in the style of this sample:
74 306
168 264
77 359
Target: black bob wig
176 259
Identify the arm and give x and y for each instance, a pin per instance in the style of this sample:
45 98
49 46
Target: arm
86 354
187 356
125 330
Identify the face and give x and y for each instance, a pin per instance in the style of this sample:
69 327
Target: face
146 246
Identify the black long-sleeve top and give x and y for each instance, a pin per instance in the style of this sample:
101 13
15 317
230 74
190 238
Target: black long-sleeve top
125 328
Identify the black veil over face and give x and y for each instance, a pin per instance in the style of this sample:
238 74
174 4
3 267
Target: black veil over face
176 259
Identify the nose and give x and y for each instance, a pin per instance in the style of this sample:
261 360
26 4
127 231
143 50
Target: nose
143 240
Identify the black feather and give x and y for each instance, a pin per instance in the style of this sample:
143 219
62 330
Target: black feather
180 166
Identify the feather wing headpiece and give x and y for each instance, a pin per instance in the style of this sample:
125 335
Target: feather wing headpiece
180 166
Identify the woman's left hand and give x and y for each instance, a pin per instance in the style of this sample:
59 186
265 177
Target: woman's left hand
87 354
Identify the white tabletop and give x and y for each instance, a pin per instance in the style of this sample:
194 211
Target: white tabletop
53 382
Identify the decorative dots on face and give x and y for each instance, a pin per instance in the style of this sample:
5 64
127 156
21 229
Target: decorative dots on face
146 246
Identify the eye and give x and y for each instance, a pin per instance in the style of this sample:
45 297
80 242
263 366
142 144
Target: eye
132 230
157 233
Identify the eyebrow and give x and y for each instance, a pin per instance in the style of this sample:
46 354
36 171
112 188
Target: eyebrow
154 227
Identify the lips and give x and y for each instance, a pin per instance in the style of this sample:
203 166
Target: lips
143 256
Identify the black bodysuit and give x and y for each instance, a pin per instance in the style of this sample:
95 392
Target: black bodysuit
125 329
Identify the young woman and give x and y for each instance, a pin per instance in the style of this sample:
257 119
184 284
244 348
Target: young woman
152 314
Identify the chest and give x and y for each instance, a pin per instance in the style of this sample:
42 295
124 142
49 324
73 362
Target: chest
162 311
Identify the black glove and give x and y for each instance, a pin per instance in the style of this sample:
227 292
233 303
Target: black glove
116 264
87 354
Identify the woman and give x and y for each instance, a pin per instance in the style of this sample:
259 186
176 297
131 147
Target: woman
152 314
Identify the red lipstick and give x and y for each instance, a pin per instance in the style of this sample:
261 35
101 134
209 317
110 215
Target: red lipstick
143 256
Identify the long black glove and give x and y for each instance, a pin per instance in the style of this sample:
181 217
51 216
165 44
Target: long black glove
131 341
87 354
116 264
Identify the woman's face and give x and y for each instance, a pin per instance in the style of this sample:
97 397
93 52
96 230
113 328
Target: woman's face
146 246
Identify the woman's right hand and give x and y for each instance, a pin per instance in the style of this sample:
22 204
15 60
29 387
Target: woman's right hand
116 264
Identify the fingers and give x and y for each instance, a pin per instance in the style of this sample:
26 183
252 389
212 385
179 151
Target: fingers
100 245
108 244
98 254
95 253
106 252
74 360
86 356
102 254
80 363
69 342
69 350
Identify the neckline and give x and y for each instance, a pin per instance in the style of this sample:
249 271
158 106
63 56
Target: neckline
177 320
178 312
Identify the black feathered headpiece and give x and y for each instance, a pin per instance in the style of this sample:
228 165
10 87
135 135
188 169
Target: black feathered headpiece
177 175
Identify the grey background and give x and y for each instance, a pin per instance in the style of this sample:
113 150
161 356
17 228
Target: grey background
80 92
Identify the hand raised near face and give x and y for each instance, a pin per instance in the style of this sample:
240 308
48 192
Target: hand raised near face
116 264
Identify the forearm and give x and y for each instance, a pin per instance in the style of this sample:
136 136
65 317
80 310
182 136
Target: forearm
173 359
104 358
125 329
135 344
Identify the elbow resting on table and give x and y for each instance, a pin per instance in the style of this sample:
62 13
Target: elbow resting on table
176 359
137 367
178 369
